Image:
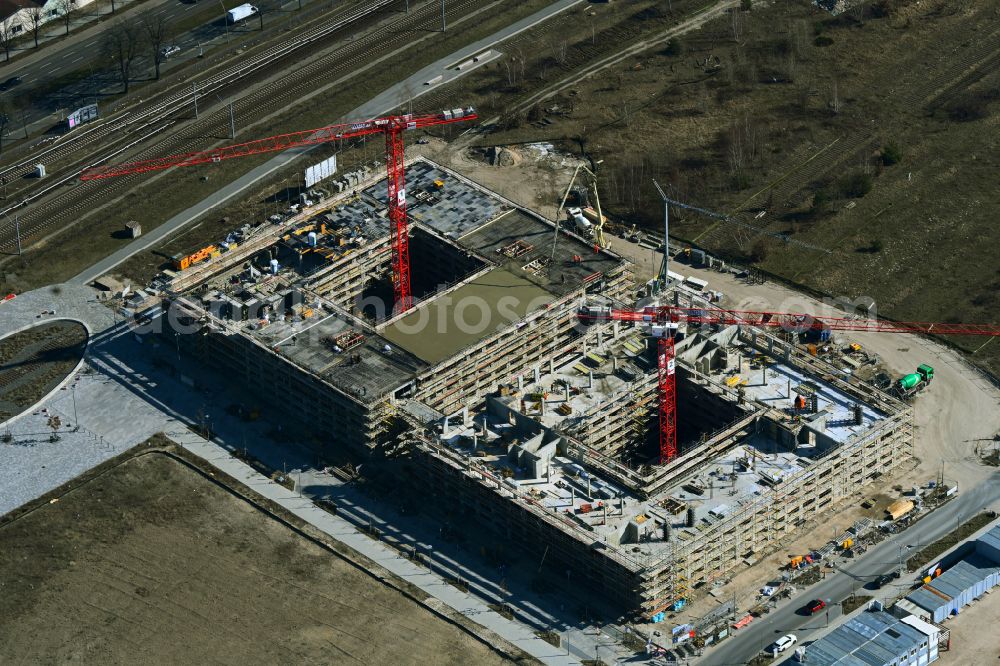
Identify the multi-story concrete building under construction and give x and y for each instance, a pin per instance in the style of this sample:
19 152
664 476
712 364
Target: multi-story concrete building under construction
527 421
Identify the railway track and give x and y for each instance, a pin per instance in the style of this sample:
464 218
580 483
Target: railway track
66 206
165 107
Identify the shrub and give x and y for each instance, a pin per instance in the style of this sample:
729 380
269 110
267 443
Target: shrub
891 154
969 107
856 185
674 47
746 5
823 40
820 199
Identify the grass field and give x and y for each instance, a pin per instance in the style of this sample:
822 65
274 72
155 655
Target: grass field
871 135
151 562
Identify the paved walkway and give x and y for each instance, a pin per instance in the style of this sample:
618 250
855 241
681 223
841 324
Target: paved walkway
382 103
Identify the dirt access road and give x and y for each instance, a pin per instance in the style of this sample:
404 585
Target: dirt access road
150 562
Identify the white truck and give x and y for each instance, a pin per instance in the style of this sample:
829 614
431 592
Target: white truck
243 12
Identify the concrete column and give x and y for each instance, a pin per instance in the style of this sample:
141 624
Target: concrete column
616 329
552 366
600 339
538 375
590 495
566 392
520 383
475 441
614 363
444 429
465 416
572 496
590 379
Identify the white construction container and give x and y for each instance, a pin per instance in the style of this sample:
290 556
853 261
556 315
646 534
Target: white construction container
244 11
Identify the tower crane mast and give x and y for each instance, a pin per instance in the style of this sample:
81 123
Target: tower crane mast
665 319
391 126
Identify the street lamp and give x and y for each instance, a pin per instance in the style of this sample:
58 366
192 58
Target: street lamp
225 20
76 420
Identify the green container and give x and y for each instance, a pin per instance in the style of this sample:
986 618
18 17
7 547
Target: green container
910 380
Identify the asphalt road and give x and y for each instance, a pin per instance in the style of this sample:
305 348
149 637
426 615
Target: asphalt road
880 559
60 60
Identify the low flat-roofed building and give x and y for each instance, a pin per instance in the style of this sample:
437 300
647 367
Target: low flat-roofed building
874 638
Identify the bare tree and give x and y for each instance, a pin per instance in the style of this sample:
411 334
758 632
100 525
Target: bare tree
121 44
857 11
154 29
36 15
65 9
738 25
835 102
6 37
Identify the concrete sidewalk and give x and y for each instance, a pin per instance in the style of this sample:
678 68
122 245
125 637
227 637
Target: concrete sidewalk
343 531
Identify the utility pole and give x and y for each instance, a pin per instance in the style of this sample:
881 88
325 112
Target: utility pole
76 419
444 26
194 88
232 122
17 233
225 20
665 266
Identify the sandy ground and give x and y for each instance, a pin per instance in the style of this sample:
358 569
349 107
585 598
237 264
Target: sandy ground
151 563
973 637
957 413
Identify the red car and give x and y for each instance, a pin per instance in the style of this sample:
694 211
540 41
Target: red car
815 606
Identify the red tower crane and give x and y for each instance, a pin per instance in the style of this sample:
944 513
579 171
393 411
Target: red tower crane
393 128
665 320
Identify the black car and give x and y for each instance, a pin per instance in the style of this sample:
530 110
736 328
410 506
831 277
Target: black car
882 581
10 83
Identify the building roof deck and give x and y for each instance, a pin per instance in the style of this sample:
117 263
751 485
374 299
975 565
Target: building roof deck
574 261
453 210
773 391
372 368
873 638
442 326
963 575
590 380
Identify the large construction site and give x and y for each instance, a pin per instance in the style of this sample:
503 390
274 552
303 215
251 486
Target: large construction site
540 424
